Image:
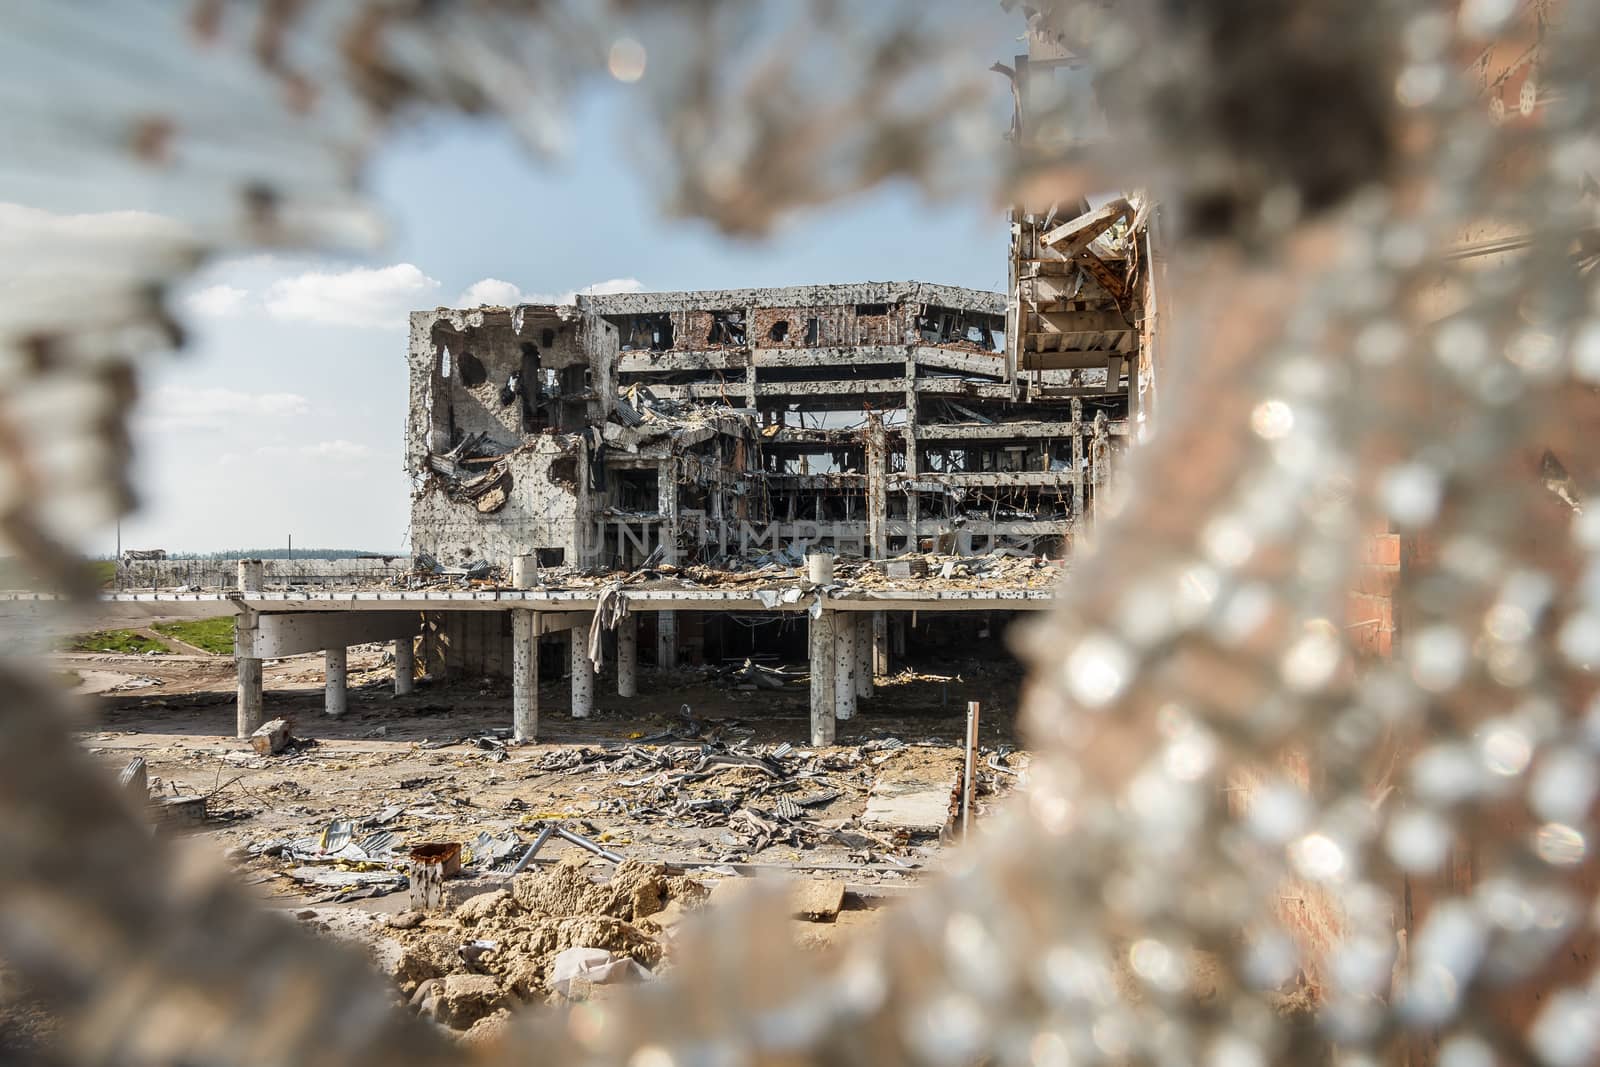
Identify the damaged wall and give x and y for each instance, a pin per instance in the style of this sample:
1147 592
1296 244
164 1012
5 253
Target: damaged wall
537 508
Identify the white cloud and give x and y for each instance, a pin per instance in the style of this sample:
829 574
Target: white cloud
364 297
218 301
492 292
180 407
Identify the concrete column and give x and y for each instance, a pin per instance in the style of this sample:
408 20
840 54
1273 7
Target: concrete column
249 668
335 674
822 684
405 666
844 666
524 572
628 656
880 645
582 672
1077 461
863 628
877 489
252 574
666 639
524 676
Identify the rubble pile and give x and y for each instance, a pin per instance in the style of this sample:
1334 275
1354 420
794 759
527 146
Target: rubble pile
765 795
780 568
469 969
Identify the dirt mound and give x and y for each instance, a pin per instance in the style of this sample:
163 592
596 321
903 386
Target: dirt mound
498 947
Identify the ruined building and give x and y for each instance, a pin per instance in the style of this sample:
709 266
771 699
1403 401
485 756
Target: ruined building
727 427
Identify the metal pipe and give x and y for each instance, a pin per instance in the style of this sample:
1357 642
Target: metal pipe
533 850
583 842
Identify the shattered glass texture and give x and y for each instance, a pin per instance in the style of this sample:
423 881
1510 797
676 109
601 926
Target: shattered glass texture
1247 841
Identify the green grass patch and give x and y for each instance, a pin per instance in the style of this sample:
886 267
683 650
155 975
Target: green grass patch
125 642
214 635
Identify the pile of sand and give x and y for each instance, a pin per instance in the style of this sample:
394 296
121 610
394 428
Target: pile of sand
467 969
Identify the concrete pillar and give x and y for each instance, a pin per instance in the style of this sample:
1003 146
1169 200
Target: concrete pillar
666 639
844 666
524 572
252 575
582 672
822 683
405 666
524 676
335 673
862 625
628 656
250 714
1077 461
880 645
877 489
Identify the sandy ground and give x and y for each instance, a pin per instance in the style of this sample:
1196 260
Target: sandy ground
429 767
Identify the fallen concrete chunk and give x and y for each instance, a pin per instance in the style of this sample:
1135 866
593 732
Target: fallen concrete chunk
818 899
910 803
466 998
271 738
174 813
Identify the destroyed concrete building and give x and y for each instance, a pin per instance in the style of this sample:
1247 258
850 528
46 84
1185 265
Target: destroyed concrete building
737 430
722 427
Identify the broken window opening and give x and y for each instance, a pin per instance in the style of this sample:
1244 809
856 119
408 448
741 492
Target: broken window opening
548 337
727 328
550 557
813 330
650 331
473 373
528 386
779 331
636 490
574 379
869 310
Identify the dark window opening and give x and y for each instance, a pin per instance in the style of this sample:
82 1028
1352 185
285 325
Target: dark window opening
813 330
872 309
637 490
547 338
549 557
779 331
472 371
653 332
574 379
727 328
529 388
564 472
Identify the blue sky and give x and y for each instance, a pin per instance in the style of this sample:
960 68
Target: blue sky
285 413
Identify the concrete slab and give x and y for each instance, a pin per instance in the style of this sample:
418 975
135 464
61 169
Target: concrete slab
908 801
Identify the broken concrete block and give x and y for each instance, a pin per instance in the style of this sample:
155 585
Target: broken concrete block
907 802
176 813
905 568
818 899
466 998
271 737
